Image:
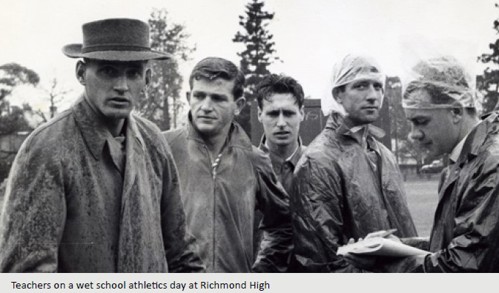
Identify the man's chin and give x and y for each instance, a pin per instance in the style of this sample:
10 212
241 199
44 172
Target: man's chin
281 141
205 129
120 114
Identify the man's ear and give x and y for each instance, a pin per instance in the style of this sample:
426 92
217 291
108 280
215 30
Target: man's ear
337 95
259 114
188 96
148 75
240 103
302 112
80 69
456 114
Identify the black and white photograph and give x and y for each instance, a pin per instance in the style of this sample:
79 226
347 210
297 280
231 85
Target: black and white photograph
248 136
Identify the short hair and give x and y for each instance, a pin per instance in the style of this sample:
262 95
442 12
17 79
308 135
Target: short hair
438 95
278 84
214 67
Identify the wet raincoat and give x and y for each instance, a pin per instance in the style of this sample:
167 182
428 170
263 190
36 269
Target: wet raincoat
220 202
68 209
338 196
465 234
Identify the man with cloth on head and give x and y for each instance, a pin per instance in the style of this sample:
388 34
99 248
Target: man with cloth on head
347 184
224 179
96 189
441 104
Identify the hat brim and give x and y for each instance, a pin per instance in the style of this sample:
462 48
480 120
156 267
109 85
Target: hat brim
74 51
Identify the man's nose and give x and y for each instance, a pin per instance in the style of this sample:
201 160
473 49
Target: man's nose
121 83
416 134
374 94
207 105
280 120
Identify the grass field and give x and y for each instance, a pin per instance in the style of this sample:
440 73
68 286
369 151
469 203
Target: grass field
422 198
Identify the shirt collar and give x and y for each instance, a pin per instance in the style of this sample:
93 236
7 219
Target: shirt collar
353 132
456 151
293 158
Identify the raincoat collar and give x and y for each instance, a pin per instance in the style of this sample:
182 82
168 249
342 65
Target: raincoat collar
94 131
476 138
336 121
236 136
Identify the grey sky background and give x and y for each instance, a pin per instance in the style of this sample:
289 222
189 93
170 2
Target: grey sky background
310 35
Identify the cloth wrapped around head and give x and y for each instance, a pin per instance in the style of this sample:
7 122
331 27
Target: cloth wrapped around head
446 80
352 68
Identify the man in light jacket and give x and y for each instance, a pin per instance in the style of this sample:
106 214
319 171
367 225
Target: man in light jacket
224 179
95 189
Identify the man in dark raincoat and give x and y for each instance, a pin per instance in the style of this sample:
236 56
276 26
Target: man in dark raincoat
224 179
280 110
95 189
441 104
347 184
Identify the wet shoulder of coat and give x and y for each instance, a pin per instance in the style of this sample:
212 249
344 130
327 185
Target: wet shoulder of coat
175 139
152 135
260 160
323 151
489 150
46 140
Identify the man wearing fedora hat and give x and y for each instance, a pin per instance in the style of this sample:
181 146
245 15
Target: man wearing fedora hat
95 189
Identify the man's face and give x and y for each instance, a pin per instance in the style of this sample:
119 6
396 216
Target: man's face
361 100
281 118
433 130
212 105
113 88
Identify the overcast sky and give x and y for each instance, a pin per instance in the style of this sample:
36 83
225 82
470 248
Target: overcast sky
310 35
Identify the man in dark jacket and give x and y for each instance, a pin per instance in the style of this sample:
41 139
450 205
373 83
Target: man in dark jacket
224 179
347 184
280 110
95 189
441 105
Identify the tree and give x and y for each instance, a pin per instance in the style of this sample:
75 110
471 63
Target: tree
257 54
488 82
12 118
13 75
161 103
55 95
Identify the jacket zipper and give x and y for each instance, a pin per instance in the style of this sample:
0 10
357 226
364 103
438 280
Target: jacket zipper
214 166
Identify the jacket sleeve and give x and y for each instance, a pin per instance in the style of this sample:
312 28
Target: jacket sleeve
474 246
34 212
180 246
318 221
273 202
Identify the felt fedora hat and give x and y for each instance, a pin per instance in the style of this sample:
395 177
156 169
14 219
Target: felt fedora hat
117 39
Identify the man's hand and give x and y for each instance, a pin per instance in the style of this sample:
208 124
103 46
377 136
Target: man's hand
364 262
388 234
